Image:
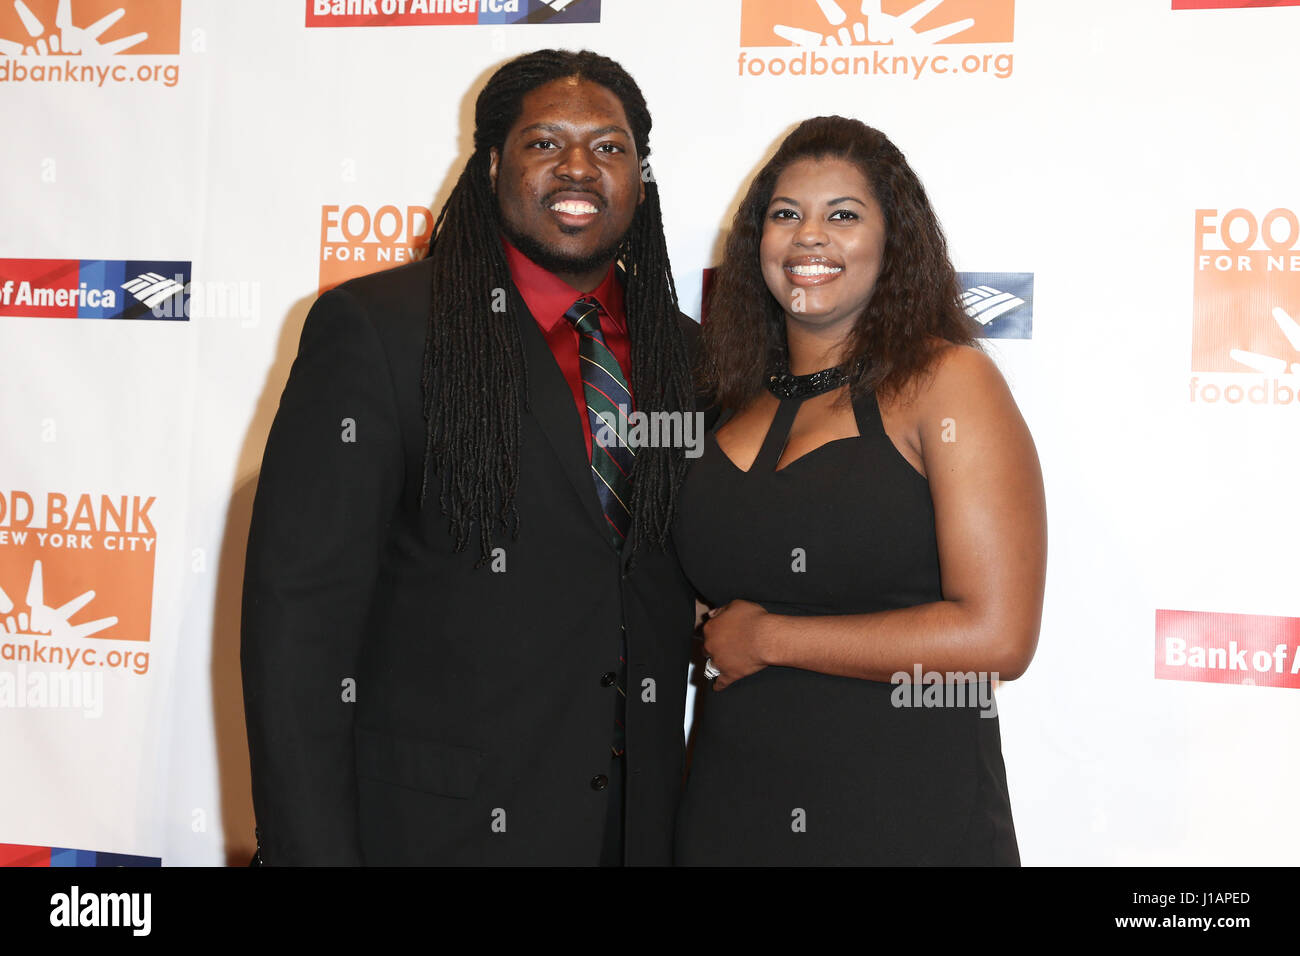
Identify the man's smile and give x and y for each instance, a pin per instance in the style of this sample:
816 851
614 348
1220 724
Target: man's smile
573 207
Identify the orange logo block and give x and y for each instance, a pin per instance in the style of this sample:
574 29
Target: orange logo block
1246 292
98 27
359 240
75 567
807 23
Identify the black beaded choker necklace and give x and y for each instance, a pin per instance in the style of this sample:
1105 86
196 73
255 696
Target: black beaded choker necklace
784 385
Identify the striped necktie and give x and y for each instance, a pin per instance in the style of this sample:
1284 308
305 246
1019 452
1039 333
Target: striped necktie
608 402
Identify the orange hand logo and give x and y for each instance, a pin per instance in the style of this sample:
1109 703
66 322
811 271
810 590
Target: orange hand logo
858 23
68 39
1271 364
48 620
876 27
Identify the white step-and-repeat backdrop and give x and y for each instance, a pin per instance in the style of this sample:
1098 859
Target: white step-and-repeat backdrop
180 178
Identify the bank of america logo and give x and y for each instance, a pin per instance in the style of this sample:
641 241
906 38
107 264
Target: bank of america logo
393 13
1001 302
1231 4
14 854
152 288
985 303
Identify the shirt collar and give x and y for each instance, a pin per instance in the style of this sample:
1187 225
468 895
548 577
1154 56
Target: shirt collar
548 296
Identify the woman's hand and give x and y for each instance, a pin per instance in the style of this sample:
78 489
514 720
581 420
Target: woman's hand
733 638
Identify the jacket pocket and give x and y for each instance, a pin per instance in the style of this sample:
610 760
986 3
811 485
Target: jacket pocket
427 765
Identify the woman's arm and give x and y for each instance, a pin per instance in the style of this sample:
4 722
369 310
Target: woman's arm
991 526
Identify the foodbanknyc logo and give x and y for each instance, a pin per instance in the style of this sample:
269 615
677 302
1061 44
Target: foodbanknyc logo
357 240
402 13
87 42
877 38
76 579
1246 307
95 289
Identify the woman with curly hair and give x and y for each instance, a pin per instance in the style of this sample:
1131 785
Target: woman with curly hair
867 523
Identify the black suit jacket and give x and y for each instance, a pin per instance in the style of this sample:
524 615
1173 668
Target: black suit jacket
404 707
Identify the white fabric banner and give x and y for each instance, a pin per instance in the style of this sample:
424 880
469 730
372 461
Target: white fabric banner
1117 181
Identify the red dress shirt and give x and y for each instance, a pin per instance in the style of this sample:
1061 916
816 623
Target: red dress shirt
548 297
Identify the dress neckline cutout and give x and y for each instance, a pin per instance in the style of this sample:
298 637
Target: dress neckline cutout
777 437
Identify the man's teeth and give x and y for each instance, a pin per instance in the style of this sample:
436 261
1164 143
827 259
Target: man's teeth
818 270
574 207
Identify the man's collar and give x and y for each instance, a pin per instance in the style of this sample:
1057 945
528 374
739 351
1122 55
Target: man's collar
548 296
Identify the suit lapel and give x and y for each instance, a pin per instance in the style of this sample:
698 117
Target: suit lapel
550 402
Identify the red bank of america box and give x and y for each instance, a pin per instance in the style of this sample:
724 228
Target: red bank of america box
1207 646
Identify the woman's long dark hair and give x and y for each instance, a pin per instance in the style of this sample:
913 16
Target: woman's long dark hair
916 294
474 374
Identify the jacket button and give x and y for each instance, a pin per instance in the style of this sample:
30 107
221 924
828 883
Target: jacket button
599 782
607 679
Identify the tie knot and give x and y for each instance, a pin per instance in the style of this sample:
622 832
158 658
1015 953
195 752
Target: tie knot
584 315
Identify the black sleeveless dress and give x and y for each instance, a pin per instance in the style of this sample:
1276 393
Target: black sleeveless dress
793 767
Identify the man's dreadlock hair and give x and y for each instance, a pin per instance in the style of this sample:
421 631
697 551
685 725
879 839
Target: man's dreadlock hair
474 374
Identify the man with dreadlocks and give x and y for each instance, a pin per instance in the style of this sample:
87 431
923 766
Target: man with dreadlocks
465 633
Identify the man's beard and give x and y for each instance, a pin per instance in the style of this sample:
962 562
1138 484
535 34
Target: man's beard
558 262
